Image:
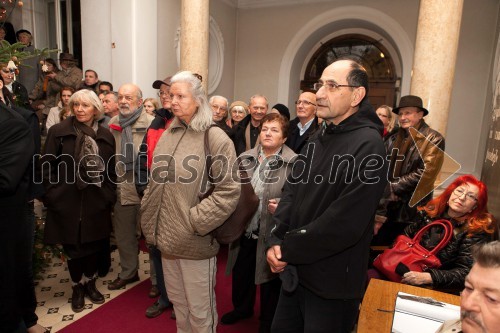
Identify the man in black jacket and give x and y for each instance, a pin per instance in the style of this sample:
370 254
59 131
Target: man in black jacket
305 124
324 221
17 293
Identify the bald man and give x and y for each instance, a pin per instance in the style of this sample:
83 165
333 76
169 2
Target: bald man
305 124
128 128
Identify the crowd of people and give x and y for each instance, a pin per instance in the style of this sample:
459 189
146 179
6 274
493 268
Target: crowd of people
116 166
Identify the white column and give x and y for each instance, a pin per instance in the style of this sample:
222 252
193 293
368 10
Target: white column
119 41
96 37
195 20
436 47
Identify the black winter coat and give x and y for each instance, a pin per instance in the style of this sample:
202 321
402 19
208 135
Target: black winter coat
76 216
324 221
456 257
17 299
237 134
296 141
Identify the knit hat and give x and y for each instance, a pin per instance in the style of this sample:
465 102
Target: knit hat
283 110
239 103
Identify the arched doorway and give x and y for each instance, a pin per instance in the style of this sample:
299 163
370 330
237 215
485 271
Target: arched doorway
370 53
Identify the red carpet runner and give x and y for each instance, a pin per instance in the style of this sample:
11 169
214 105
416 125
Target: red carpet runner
125 314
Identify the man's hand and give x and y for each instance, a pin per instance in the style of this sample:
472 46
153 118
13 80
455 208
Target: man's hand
274 259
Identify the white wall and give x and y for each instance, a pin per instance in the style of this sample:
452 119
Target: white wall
472 84
265 33
226 18
168 16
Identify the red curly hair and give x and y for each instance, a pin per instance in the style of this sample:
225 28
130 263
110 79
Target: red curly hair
479 220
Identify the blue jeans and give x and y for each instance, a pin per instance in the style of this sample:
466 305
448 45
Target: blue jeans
160 282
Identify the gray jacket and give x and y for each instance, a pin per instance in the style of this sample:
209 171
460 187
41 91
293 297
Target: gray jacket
272 190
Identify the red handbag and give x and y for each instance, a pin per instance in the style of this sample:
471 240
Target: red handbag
408 255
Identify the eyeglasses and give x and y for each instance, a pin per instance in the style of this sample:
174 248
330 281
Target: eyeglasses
331 86
217 107
459 192
163 94
304 102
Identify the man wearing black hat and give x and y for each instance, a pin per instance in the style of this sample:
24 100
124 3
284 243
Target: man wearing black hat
406 169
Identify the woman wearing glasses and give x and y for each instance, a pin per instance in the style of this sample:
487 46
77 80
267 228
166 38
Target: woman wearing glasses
464 204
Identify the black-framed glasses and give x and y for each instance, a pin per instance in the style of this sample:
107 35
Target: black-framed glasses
459 192
331 86
304 102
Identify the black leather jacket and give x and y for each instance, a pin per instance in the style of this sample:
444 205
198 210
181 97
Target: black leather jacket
456 257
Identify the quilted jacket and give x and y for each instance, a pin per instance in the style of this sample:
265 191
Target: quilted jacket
172 216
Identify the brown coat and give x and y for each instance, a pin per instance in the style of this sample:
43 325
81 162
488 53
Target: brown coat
271 191
76 216
172 217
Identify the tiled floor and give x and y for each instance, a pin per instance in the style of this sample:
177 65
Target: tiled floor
53 292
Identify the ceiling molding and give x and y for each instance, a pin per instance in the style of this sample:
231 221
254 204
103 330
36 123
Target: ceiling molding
251 4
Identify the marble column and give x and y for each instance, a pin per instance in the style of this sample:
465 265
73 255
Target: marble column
195 20
435 57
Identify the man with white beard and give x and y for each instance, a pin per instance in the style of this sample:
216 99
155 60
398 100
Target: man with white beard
128 128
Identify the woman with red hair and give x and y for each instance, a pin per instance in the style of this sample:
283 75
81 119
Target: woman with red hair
463 203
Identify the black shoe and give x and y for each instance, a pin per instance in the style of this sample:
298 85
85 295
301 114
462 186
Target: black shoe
233 317
120 283
92 293
78 298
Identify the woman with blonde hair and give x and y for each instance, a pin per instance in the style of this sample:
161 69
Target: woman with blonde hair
80 189
150 106
388 118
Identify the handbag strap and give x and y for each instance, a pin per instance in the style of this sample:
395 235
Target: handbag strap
448 232
208 155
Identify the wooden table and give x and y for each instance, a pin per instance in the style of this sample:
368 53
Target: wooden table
377 307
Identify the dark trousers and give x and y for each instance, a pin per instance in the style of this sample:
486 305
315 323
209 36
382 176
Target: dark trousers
304 312
83 266
244 288
160 281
